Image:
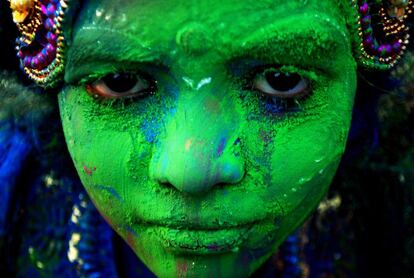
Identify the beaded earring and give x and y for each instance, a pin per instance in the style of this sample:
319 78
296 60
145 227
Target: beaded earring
382 31
381 28
41 44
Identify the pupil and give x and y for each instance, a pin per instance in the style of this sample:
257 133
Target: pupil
120 82
282 81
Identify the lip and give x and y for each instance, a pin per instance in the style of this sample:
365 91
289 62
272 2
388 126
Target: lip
202 241
189 222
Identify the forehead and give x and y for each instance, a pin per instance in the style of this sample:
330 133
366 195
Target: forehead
161 19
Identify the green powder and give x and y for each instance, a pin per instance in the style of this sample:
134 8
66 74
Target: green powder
201 179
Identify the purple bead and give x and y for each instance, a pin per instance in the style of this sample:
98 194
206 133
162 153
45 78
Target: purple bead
366 20
34 63
368 41
49 24
382 50
27 61
51 37
44 52
364 8
43 8
41 58
50 49
389 48
51 10
385 50
396 46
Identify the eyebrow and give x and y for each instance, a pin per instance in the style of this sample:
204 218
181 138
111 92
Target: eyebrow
317 42
101 47
306 44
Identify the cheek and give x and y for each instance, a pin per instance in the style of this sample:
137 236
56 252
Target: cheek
305 151
102 152
304 160
100 164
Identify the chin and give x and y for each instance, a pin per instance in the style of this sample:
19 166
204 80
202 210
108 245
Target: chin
228 252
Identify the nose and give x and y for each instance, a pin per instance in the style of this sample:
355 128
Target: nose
200 149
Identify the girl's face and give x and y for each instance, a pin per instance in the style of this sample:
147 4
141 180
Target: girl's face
207 131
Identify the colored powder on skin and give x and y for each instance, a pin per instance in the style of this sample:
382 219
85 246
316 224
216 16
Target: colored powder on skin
168 156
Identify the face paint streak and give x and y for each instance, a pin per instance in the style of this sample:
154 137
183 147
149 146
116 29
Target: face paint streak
266 136
188 81
203 82
110 190
221 146
182 268
150 130
188 144
131 231
130 239
212 106
89 171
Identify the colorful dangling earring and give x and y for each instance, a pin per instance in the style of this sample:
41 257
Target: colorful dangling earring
382 35
383 39
41 45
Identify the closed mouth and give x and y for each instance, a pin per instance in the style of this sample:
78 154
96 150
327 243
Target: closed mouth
186 239
220 240
193 224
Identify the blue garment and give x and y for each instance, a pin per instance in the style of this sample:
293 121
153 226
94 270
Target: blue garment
14 150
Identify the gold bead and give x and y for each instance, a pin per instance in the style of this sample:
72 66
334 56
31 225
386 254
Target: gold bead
397 8
21 9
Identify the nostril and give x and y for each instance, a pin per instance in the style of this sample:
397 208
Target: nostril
218 187
222 186
201 179
168 186
198 169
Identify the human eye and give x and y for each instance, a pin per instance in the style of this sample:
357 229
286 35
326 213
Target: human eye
281 90
123 85
275 83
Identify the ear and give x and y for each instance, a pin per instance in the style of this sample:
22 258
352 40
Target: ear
381 35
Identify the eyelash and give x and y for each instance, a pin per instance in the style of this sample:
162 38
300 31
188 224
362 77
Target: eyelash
282 106
118 103
272 105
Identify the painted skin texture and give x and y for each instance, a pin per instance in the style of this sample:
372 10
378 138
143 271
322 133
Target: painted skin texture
203 178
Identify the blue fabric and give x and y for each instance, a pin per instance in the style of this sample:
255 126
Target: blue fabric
95 249
15 146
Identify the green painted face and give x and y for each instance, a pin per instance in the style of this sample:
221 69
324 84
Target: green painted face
237 143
